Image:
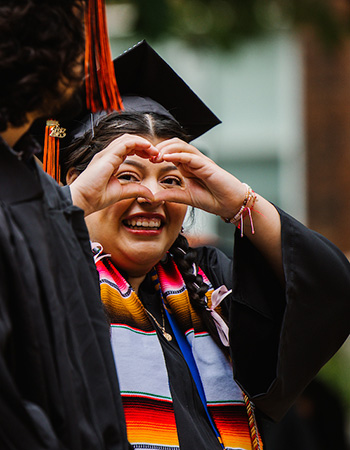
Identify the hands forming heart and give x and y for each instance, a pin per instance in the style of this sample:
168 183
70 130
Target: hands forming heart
207 186
204 185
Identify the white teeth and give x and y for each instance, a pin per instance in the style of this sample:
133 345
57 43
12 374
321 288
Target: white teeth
144 222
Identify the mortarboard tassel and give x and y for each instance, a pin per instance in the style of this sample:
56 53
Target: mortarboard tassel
102 92
51 153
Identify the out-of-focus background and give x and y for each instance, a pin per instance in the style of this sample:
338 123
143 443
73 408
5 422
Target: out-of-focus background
277 73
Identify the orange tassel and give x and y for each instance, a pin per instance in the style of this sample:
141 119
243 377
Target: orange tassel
51 151
102 93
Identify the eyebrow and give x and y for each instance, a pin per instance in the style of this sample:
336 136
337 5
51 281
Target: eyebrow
139 165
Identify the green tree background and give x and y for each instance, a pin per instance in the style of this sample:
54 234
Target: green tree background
226 23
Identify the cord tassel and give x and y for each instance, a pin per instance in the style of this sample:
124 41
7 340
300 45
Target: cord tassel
255 439
51 153
102 92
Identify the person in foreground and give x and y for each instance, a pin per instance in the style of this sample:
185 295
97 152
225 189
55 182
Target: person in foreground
206 347
58 386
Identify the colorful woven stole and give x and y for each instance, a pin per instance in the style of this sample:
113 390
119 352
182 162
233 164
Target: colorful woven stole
142 371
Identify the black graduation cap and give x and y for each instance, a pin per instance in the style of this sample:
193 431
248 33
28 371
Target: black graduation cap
148 84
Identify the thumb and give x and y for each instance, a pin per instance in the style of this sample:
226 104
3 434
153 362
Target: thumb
133 190
174 195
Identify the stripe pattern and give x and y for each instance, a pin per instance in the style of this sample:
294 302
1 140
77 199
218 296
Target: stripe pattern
142 371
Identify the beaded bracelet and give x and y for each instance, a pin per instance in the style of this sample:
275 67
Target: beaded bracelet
248 204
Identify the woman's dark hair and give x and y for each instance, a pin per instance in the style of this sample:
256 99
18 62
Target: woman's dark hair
148 125
40 45
185 258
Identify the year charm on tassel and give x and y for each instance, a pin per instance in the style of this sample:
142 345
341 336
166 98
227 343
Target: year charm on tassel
51 153
57 131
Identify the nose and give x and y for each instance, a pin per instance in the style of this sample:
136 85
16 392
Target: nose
142 200
153 186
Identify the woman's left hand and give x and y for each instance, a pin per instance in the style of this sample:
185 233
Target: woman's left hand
208 186
213 189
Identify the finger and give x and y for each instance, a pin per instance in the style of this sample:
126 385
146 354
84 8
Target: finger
148 153
175 195
174 146
190 161
128 145
134 190
108 161
139 146
171 142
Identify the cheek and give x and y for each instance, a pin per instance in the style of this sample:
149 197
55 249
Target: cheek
178 213
102 224
93 223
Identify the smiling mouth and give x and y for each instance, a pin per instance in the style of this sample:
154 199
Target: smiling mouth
143 223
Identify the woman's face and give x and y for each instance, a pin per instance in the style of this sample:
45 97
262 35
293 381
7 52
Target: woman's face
135 232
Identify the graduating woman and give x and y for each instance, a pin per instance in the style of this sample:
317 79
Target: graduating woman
205 347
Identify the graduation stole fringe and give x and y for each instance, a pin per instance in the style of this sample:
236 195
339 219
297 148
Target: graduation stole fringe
234 418
102 93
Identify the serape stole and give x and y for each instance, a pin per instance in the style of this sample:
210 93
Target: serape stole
142 370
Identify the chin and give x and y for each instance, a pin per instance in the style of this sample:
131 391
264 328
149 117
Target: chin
145 258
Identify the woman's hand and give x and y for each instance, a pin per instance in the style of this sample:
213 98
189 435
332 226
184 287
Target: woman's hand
208 186
211 188
97 187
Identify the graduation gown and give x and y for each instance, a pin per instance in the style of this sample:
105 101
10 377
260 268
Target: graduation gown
281 336
58 385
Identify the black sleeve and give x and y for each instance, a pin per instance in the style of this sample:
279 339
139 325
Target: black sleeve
23 424
282 335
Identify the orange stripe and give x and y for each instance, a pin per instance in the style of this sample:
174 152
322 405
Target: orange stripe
150 421
233 426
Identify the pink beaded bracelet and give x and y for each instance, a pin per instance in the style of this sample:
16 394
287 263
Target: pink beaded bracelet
247 206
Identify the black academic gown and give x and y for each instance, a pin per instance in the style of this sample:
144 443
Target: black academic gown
281 337
281 334
58 385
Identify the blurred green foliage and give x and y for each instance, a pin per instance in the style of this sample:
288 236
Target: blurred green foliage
226 23
336 374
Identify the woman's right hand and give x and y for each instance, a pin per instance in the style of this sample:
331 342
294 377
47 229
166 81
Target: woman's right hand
97 187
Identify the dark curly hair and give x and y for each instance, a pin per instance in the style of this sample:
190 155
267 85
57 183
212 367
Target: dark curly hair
40 44
149 125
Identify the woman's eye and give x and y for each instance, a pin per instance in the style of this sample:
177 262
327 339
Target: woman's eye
127 178
172 181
